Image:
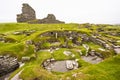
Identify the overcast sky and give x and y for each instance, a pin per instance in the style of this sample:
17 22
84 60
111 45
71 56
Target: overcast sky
70 11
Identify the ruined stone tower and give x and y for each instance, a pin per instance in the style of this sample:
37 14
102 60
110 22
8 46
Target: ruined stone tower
27 14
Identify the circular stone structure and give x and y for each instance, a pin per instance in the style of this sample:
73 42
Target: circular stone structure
60 66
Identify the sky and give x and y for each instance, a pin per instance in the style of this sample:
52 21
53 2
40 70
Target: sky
70 11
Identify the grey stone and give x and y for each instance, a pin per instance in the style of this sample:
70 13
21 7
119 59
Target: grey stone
27 14
84 37
92 53
8 64
25 59
71 64
29 42
117 49
75 64
99 55
17 33
92 59
60 66
67 53
100 42
48 20
87 48
7 40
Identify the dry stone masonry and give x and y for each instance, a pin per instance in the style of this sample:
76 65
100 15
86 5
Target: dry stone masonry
78 39
49 19
28 15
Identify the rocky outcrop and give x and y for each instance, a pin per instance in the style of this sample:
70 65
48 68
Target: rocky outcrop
27 14
7 64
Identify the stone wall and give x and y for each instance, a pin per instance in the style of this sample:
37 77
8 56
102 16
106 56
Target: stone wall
65 33
55 36
27 14
73 36
100 42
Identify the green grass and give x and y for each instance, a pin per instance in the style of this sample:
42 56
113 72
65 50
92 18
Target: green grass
109 69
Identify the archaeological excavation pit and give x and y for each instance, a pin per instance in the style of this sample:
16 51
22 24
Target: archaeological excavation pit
60 66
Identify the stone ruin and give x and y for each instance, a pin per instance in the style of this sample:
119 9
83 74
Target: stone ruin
49 19
28 15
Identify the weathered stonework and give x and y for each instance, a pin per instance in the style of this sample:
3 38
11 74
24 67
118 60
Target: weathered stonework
27 14
66 35
7 64
49 19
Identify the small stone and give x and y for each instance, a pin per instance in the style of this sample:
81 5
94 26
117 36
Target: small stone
98 59
17 33
48 60
29 42
25 59
70 38
101 49
69 64
67 53
73 55
52 59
